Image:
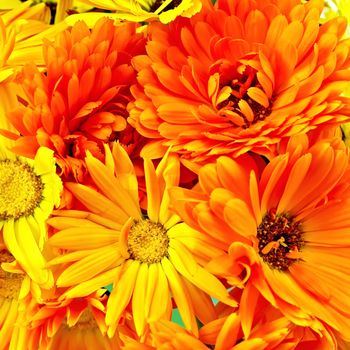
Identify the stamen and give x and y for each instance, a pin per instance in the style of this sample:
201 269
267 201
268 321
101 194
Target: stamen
280 240
148 241
20 189
240 86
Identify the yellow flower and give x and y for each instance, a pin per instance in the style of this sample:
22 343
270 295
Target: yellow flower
74 323
10 284
147 10
150 258
16 296
29 189
22 30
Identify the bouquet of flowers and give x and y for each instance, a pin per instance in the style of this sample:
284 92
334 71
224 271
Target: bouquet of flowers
163 157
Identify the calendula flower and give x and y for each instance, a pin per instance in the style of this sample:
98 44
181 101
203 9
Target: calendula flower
80 102
17 292
257 324
22 30
240 77
29 189
270 330
12 332
149 10
57 325
286 228
147 257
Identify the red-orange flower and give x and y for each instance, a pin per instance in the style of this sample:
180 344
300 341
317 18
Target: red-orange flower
286 228
240 77
80 102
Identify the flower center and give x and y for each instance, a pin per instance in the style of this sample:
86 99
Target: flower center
20 189
257 109
10 283
280 239
158 3
148 241
86 321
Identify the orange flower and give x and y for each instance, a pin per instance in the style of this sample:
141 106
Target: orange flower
258 325
286 228
80 102
269 330
239 78
57 325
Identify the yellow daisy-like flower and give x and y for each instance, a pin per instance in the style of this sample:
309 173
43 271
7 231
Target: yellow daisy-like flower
150 258
12 334
17 294
29 189
72 324
22 30
149 10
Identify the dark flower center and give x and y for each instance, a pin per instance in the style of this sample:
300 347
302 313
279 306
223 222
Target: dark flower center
280 239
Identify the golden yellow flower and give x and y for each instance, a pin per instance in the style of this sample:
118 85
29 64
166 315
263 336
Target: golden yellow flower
16 291
10 285
21 32
29 189
75 323
151 258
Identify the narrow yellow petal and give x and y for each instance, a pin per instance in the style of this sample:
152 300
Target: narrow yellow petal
153 191
84 238
89 266
158 289
181 296
121 295
139 298
90 286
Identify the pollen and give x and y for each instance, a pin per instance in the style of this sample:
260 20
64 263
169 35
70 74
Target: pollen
10 283
280 238
148 241
20 189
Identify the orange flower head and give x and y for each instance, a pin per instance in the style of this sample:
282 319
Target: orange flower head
285 228
262 328
54 325
240 77
79 103
257 324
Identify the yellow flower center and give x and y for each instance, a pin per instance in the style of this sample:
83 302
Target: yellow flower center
20 189
148 241
10 283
